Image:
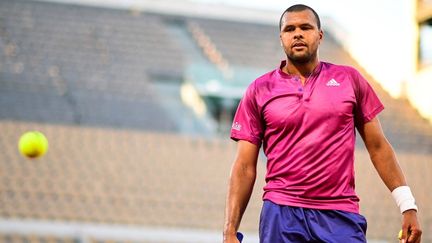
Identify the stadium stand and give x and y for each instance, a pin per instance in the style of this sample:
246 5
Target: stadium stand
95 81
230 38
84 65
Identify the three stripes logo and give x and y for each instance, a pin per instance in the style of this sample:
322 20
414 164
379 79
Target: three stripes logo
332 83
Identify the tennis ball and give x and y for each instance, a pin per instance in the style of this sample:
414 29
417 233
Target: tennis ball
400 235
33 144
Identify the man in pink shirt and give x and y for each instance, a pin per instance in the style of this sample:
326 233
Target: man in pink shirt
304 114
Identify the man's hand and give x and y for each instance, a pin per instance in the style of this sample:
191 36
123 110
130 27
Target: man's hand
230 238
411 232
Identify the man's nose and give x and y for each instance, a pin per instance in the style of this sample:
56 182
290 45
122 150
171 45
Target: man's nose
298 33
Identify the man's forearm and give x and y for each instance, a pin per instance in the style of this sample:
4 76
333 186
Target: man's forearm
240 189
387 166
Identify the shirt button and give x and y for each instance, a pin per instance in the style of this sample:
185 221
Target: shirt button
300 89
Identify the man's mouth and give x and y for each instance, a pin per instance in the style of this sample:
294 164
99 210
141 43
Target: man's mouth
299 45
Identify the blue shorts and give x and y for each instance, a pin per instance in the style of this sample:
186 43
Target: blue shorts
283 224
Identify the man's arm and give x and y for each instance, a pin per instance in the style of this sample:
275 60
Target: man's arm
242 179
384 159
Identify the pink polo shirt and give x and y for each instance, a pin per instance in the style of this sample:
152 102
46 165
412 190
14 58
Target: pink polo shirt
308 133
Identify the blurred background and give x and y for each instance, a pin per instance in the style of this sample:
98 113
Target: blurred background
137 98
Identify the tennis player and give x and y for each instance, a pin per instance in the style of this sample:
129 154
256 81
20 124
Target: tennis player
304 114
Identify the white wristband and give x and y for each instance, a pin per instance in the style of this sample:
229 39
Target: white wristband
404 198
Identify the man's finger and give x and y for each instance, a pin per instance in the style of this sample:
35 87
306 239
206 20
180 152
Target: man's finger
405 235
414 236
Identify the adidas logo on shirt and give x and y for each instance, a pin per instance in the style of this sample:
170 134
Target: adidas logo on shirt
236 126
332 82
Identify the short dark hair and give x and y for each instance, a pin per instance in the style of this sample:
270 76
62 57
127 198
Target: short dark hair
298 8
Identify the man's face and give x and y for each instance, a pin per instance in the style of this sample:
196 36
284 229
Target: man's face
300 36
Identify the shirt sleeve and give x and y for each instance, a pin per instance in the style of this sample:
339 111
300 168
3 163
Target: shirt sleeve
247 122
368 104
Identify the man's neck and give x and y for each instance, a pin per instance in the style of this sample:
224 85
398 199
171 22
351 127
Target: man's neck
303 70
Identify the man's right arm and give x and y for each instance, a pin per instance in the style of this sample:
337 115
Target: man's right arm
242 180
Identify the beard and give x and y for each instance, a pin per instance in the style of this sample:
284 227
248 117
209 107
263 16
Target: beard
300 58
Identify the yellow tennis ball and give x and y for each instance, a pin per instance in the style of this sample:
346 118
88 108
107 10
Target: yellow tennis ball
33 144
400 235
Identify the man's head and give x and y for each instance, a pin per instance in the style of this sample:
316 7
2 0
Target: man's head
300 33
298 8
